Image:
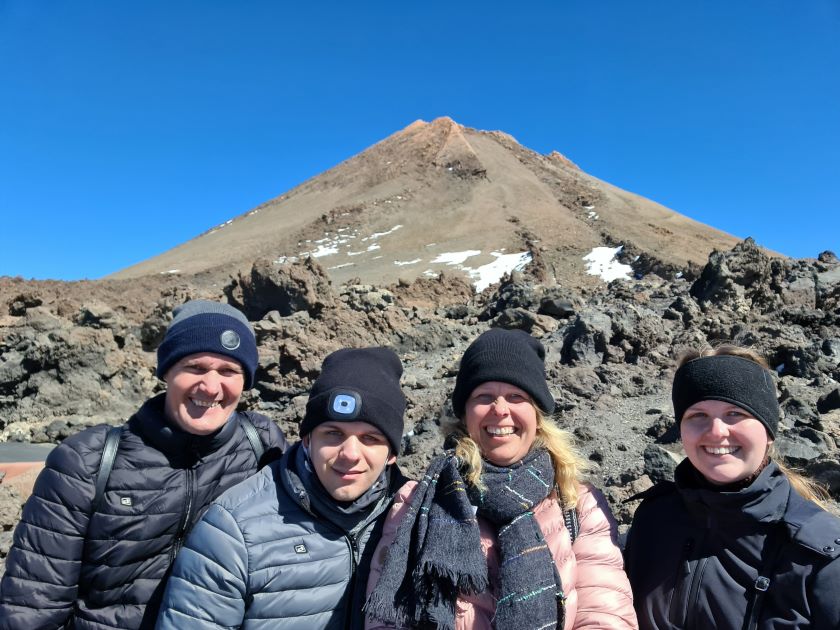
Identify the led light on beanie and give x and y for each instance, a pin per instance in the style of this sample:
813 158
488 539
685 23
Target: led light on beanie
731 379
344 405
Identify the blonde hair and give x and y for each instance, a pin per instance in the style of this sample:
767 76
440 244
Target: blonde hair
726 349
568 464
804 486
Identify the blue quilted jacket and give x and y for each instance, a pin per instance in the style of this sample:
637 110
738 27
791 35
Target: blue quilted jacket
259 559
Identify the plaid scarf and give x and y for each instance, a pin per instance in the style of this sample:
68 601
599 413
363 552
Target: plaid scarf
437 550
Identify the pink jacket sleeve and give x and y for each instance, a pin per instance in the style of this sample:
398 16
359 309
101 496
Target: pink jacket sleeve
604 596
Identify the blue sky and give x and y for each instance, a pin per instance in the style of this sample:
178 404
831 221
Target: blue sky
129 128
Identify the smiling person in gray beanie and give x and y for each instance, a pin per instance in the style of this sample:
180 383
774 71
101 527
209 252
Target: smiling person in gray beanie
112 507
292 546
500 532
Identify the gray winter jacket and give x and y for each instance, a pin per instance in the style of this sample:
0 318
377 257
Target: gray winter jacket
259 558
695 557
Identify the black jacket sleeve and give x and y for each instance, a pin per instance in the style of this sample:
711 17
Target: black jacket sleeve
824 590
43 566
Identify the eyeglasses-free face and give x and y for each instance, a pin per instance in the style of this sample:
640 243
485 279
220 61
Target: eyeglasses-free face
724 442
502 420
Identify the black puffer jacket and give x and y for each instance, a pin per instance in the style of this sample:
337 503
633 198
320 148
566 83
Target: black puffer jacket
108 570
694 556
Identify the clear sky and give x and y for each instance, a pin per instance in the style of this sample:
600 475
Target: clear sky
127 128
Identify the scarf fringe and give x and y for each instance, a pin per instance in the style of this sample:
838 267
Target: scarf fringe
380 608
467 583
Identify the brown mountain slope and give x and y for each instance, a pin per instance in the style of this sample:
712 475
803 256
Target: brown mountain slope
439 196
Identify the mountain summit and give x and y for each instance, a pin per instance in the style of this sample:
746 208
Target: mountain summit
438 196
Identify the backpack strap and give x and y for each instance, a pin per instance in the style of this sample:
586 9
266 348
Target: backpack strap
112 443
106 463
253 436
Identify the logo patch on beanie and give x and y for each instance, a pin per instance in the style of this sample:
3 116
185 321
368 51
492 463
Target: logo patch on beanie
344 405
230 339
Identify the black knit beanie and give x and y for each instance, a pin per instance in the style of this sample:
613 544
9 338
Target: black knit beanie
359 384
205 326
508 356
731 379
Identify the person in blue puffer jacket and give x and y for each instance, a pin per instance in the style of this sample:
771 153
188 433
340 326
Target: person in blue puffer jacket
291 547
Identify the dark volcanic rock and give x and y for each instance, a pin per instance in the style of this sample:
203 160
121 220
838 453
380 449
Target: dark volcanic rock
285 288
514 292
585 339
560 308
72 356
829 401
659 464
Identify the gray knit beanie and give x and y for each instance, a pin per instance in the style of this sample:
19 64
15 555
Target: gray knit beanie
507 356
205 326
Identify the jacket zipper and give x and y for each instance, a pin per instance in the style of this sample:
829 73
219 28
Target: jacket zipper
351 590
694 593
185 517
683 571
351 542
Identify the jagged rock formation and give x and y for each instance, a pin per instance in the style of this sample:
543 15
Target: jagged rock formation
372 253
65 365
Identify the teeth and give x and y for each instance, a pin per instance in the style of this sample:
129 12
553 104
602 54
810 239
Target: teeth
500 430
720 450
207 404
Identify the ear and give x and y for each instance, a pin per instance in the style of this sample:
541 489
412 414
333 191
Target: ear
305 440
391 460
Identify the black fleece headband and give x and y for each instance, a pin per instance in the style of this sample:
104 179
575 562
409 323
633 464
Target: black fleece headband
729 379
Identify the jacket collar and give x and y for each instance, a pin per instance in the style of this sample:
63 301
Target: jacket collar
151 423
293 485
763 501
769 499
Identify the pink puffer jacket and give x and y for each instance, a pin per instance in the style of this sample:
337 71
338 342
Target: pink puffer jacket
598 594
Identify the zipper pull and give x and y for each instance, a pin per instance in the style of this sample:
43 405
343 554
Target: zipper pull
687 549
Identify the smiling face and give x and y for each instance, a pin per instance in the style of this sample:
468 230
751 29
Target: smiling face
348 457
724 442
502 420
202 391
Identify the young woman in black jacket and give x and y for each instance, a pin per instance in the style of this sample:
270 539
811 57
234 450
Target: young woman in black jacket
737 540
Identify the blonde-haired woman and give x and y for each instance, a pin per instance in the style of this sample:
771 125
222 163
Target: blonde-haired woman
484 540
737 541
